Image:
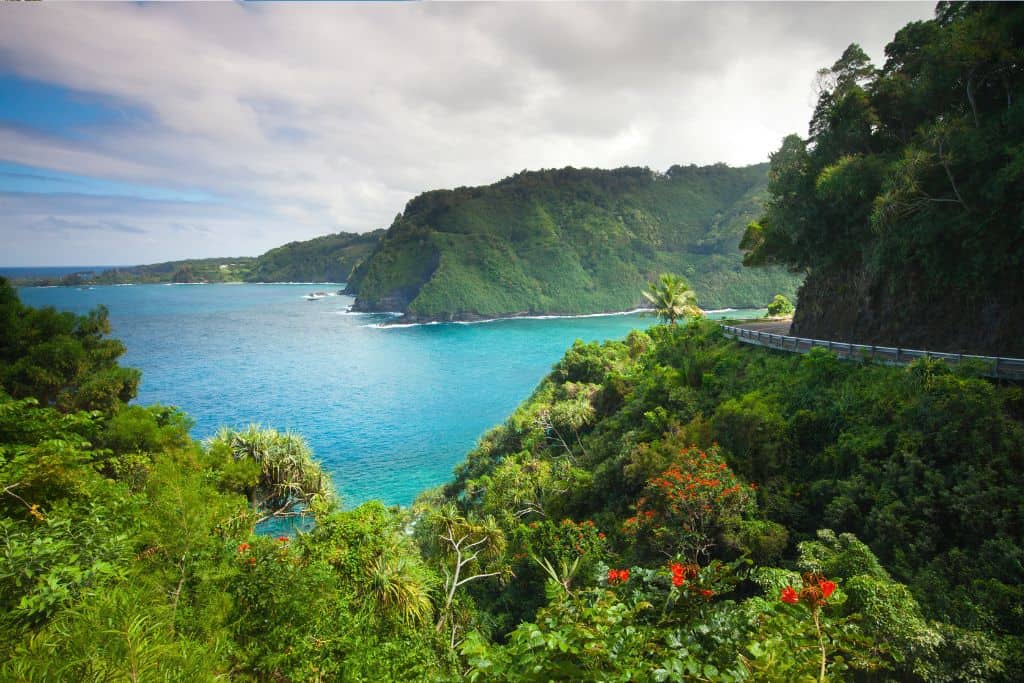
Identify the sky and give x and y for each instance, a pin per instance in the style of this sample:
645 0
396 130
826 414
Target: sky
138 133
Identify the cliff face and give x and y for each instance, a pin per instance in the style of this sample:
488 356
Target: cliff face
850 305
569 241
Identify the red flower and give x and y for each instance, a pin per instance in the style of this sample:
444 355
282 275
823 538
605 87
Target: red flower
252 561
789 596
707 592
677 574
827 588
283 539
242 547
618 575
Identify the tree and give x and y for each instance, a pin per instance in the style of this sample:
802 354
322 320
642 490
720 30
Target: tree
276 471
779 306
672 298
62 359
469 550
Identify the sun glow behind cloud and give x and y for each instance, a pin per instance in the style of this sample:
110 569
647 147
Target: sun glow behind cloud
134 133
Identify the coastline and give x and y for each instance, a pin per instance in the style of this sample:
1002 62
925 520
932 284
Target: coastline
402 320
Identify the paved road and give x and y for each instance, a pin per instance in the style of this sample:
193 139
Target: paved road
780 326
773 334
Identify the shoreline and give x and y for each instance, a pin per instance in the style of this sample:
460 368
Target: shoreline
400 320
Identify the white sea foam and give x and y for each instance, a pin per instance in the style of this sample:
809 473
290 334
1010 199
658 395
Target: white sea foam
386 325
332 284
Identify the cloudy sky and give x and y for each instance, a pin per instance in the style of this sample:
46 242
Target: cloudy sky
149 132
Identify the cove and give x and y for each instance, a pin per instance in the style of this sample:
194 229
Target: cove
389 410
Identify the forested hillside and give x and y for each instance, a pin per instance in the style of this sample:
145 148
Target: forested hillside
672 507
331 258
569 241
904 204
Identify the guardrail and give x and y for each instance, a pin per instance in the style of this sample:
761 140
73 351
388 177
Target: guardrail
1002 368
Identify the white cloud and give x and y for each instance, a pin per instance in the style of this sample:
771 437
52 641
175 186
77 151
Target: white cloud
306 119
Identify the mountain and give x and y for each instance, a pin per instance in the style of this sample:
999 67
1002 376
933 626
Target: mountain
569 241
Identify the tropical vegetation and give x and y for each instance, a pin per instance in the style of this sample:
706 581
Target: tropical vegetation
903 205
674 506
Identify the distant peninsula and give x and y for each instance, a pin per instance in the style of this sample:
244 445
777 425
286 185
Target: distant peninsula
569 241
330 258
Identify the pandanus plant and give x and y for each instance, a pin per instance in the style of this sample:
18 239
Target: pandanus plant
288 480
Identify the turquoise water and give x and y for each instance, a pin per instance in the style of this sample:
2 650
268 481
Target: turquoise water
390 411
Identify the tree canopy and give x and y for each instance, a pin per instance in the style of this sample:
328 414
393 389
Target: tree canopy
909 180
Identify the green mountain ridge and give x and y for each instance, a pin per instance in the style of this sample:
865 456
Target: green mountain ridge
569 241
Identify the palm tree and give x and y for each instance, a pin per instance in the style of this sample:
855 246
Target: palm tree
672 298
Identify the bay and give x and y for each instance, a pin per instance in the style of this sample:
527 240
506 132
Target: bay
388 410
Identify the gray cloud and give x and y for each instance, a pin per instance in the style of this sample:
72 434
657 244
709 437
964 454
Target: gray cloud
54 224
306 119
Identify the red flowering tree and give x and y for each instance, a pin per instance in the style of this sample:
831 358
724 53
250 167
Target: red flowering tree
687 508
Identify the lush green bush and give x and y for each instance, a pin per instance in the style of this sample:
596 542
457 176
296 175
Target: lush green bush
780 306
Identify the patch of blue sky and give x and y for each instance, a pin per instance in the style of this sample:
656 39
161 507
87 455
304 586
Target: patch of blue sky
57 110
32 180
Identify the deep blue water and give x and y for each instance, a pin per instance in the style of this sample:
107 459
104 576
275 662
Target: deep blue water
390 411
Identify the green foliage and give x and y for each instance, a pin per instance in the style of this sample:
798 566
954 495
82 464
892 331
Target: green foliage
780 306
61 359
568 241
590 637
126 553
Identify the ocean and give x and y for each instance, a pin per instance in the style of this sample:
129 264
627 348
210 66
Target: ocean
388 410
